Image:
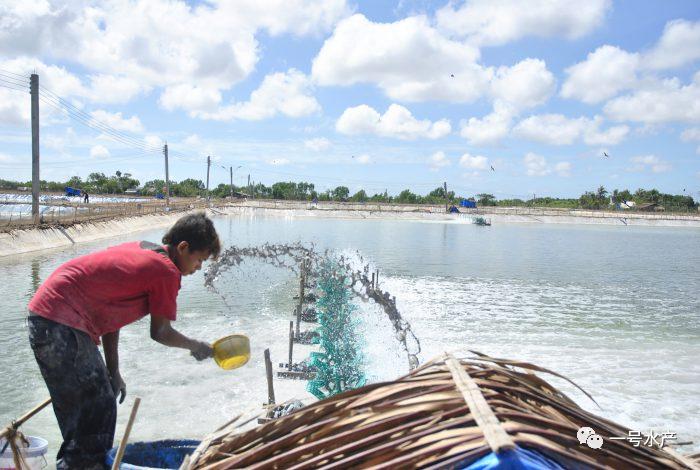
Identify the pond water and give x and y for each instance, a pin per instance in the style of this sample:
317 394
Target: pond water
616 309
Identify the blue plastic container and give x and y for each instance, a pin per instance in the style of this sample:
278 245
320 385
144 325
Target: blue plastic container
167 454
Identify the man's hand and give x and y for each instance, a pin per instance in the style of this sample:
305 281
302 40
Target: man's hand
118 386
201 351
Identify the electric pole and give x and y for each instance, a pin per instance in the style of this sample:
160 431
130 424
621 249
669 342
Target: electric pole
250 190
34 91
208 166
231 167
167 177
445 186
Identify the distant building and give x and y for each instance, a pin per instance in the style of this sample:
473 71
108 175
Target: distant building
650 207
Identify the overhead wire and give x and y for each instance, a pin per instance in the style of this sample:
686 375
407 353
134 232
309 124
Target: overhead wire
105 132
10 72
91 122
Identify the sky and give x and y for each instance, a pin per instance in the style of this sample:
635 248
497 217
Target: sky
504 97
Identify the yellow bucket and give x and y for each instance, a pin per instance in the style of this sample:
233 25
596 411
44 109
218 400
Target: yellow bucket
231 352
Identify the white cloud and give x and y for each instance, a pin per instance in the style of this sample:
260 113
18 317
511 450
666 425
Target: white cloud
535 165
193 140
557 129
690 135
280 93
660 102
191 98
593 135
605 72
408 59
563 169
113 89
473 162
524 85
99 151
59 82
162 42
397 122
153 141
115 120
364 159
649 163
318 144
489 130
438 160
500 21
679 45
133 45
14 108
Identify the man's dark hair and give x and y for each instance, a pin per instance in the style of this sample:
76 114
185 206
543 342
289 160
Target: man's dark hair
197 230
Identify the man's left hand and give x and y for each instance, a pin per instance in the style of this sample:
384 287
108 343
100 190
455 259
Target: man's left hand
118 386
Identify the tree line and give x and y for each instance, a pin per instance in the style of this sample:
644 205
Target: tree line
120 182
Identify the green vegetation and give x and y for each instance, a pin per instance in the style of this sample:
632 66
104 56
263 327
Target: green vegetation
303 191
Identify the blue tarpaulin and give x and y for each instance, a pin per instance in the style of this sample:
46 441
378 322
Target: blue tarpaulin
167 454
72 191
517 459
467 203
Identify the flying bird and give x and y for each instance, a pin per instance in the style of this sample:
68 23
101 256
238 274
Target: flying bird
606 155
492 168
452 75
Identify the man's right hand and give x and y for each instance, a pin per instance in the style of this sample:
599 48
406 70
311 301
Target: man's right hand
202 350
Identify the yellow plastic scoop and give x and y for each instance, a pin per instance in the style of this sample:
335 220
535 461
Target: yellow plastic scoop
231 352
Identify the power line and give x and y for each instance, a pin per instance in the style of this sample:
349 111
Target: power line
85 116
95 125
9 72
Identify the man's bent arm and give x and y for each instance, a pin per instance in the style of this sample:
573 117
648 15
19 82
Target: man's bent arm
110 344
163 332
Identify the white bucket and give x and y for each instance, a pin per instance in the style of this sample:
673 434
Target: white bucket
34 455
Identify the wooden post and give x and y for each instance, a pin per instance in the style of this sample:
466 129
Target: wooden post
19 421
291 344
298 312
445 196
302 281
268 372
372 281
122 444
377 279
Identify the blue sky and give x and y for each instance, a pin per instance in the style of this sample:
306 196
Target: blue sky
372 95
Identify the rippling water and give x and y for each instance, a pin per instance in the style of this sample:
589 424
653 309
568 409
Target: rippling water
616 309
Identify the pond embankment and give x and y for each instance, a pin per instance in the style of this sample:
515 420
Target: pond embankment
34 239
438 213
38 238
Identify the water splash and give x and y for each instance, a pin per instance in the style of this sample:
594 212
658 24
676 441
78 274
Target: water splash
357 281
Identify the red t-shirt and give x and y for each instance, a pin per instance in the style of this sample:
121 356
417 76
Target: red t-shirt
101 292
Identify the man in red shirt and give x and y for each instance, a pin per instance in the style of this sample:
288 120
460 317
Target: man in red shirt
89 299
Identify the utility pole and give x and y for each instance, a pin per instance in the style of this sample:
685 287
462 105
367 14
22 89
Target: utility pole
208 166
231 167
34 91
167 176
445 186
250 190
